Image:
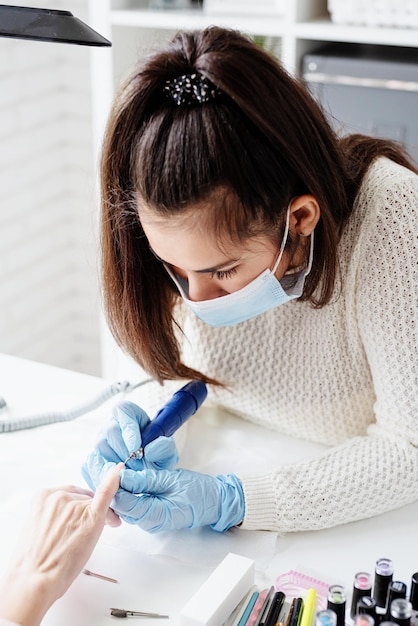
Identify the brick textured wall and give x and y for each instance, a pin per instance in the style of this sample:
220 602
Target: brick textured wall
49 309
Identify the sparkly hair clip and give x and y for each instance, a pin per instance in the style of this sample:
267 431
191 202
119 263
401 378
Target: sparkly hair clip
190 89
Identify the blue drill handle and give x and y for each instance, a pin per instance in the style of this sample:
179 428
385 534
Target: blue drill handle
178 409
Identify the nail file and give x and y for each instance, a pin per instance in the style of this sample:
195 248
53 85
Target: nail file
220 593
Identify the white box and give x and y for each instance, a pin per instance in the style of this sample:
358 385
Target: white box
385 13
221 593
244 7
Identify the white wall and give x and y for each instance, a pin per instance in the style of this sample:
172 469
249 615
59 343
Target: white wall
49 308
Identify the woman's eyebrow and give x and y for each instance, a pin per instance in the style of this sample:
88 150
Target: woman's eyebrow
208 270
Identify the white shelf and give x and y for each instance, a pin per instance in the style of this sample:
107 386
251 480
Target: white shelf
143 18
305 21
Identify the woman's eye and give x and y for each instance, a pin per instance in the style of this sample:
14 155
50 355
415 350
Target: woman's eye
220 274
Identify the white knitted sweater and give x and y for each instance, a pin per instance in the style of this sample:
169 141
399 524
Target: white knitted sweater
345 375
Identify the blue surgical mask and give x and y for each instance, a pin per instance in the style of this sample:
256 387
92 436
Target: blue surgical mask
260 295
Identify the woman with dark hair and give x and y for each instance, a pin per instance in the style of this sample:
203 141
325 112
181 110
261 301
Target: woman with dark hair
246 245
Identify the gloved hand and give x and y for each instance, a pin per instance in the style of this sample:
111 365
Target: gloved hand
174 499
122 437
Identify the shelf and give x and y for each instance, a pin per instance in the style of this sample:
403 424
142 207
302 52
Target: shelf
321 29
324 30
195 19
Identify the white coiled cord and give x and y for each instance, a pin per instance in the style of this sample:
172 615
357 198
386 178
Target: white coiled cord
10 424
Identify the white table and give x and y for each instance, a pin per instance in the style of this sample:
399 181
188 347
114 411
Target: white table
161 572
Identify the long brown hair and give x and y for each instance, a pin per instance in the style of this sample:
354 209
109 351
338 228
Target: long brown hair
264 139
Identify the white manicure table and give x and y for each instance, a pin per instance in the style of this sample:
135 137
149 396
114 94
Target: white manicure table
159 573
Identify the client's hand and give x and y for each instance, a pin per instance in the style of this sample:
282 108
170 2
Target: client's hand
56 543
168 500
122 437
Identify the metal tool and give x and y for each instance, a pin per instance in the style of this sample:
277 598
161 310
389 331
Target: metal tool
101 576
125 613
178 409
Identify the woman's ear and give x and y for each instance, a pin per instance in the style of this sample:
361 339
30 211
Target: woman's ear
304 215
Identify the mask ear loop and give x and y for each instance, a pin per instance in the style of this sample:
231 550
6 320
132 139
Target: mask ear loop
310 260
284 241
175 281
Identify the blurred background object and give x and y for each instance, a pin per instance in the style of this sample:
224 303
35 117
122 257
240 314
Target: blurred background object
367 89
397 13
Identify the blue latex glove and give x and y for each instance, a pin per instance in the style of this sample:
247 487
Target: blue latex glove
174 499
122 437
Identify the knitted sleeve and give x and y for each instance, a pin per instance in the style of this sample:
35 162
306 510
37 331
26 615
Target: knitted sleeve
373 473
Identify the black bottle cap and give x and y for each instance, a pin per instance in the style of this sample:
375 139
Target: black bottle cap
367 605
414 592
382 578
397 589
